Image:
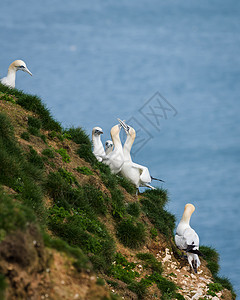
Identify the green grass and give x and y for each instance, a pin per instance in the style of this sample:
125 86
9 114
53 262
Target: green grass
3 286
84 170
34 122
19 171
150 262
134 209
65 156
25 135
153 205
13 215
131 233
34 104
48 152
34 158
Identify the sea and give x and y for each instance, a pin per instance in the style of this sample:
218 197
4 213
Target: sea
171 69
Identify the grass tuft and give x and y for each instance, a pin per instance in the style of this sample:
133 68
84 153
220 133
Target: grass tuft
131 233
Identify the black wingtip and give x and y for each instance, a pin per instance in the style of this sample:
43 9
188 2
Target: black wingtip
153 178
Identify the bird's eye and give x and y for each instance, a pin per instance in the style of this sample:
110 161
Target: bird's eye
21 67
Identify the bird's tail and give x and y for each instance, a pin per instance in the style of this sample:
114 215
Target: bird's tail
153 178
194 251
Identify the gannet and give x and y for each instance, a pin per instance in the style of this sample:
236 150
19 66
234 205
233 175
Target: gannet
187 239
108 147
115 158
9 80
139 175
98 149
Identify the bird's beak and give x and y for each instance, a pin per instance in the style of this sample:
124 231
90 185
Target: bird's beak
27 71
123 124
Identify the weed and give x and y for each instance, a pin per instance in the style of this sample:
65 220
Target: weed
34 122
34 131
13 215
150 262
64 154
34 158
52 134
34 104
85 152
123 270
25 135
126 184
78 135
84 170
131 233
68 176
112 283
140 288
214 288
48 152
118 207
81 261
153 232
153 205
212 258
133 209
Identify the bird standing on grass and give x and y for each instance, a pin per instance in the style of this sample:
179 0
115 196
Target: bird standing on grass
139 175
9 80
98 149
187 239
115 158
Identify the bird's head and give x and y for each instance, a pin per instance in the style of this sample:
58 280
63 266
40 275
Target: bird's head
108 144
97 131
20 65
128 129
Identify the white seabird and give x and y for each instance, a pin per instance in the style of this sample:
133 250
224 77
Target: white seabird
139 175
187 239
9 80
108 147
115 158
98 149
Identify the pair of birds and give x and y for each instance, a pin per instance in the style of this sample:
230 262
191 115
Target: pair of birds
10 79
119 158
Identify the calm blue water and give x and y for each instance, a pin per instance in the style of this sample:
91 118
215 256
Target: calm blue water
94 61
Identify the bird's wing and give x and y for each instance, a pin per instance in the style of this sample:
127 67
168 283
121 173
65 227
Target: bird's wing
180 242
144 173
191 237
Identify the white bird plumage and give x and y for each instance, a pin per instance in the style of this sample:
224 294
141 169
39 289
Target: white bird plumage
139 175
9 80
187 239
115 158
98 149
108 147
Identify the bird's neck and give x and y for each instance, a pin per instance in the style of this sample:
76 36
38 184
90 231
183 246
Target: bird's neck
127 147
97 143
116 141
11 76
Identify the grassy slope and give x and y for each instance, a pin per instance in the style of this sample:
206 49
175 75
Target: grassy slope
54 192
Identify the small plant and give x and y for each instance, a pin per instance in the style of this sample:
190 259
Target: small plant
52 134
150 262
34 122
212 258
123 270
127 185
34 131
25 135
48 152
64 154
214 288
3 286
84 170
153 232
131 233
85 152
153 205
34 158
133 209
140 288
78 135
